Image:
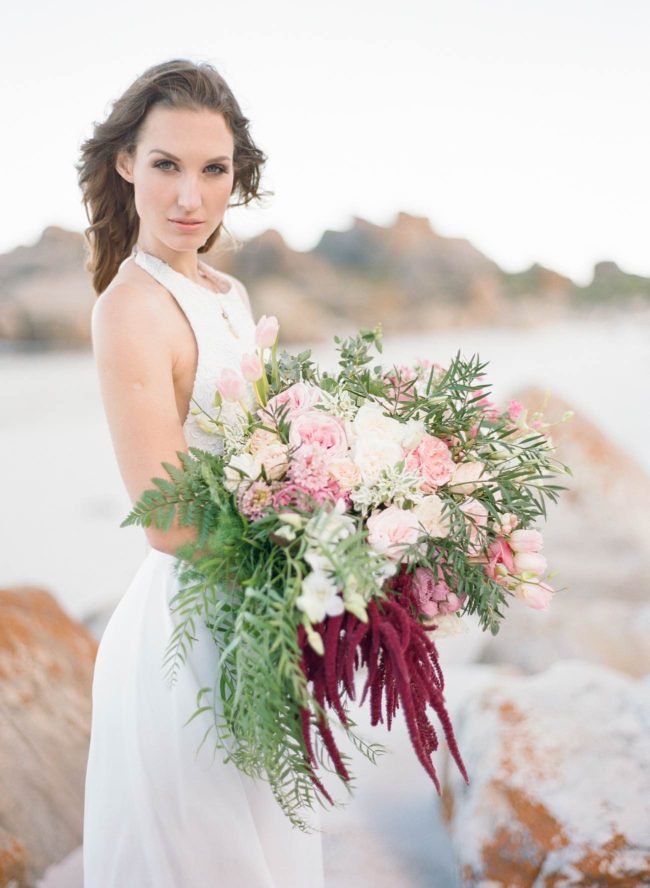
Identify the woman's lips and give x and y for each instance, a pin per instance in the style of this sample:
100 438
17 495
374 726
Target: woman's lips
186 226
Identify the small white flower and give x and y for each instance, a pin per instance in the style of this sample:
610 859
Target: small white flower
287 533
330 527
248 465
317 561
319 597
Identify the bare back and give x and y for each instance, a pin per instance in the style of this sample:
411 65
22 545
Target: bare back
160 342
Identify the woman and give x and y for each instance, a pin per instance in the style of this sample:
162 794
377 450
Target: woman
157 177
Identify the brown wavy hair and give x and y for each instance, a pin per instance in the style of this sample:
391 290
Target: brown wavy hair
108 198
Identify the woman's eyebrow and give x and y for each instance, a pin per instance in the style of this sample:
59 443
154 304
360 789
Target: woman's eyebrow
178 160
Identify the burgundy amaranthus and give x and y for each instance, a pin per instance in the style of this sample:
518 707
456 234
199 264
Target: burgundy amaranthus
403 669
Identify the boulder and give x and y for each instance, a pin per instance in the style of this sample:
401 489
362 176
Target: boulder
597 538
46 667
608 631
559 767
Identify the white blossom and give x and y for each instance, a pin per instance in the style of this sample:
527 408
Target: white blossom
319 597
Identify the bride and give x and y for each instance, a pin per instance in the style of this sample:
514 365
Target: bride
157 177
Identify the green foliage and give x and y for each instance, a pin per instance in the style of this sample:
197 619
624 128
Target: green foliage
240 584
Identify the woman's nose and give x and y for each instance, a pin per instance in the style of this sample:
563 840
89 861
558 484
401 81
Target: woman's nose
189 195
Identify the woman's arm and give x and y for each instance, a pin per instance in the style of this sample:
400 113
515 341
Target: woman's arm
132 345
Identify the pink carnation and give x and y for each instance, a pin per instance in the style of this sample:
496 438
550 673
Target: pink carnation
255 499
432 460
309 468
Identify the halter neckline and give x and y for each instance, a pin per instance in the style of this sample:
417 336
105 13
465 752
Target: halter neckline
210 271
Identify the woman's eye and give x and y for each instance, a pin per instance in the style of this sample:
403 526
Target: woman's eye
221 169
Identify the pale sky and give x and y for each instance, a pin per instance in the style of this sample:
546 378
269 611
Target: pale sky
522 125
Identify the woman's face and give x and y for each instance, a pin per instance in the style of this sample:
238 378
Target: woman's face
182 169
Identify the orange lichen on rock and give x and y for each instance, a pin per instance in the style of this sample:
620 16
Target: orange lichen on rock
13 861
46 669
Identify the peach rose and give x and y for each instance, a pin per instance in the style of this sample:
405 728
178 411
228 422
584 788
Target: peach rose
345 472
262 438
429 512
274 459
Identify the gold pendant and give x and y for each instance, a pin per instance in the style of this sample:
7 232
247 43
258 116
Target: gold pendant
227 320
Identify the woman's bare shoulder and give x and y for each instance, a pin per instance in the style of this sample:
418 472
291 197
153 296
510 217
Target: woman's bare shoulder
133 303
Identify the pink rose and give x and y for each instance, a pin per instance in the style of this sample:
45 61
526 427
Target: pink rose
432 460
317 427
298 397
390 530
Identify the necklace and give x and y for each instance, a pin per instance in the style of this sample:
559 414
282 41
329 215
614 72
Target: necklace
224 313
205 275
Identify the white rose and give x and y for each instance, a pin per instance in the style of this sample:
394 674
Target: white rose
429 512
371 421
373 453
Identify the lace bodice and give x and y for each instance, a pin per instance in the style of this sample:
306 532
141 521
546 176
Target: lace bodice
217 345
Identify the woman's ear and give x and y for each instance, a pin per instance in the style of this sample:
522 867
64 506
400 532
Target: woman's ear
124 166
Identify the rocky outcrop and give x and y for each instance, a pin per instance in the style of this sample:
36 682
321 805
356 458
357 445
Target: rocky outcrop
406 275
46 666
559 767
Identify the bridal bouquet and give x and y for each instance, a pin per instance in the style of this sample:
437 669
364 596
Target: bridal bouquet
343 523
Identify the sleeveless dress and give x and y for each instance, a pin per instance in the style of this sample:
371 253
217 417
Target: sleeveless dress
157 813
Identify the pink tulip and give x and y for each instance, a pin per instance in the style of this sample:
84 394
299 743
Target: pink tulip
251 367
231 386
529 540
266 331
537 595
531 562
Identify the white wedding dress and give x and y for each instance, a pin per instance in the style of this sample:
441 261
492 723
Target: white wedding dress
157 814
